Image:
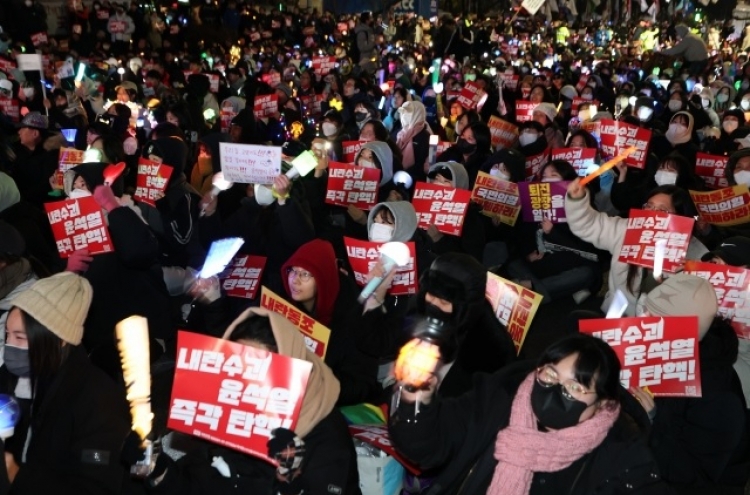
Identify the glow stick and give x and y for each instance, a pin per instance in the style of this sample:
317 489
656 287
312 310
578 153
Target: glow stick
133 344
219 256
661 246
608 165
618 305
302 165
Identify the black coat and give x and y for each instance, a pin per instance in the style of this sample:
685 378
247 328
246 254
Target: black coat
458 436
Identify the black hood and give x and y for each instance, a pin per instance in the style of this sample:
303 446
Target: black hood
172 150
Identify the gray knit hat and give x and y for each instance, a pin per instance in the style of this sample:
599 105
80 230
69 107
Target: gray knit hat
60 303
684 295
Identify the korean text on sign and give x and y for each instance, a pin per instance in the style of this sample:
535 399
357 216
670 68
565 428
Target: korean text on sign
469 95
242 279
543 200
616 136
711 169
78 224
534 164
316 334
250 163
364 255
732 287
524 110
443 207
323 65
498 198
265 106
582 159
151 181
502 133
352 185
351 148
11 108
234 395
69 158
725 207
647 227
660 353
514 306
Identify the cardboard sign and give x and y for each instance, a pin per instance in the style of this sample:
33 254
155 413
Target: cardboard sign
151 181
69 158
647 227
364 255
732 287
266 106
503 134
470 95
616 136
582 159
234 395
543 201
510 81
441 206
711 169
352 185
725 207
323 65
524 110
497 197
250 163
10 108
657 352
316 334
351 148
535 163
116 27
78 224
243 277
514 306
38 39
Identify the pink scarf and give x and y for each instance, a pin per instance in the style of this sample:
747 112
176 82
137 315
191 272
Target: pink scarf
522 449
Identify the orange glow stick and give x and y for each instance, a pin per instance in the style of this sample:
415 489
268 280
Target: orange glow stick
608 165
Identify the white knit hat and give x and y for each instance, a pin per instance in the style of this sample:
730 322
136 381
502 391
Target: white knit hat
684 295
548 109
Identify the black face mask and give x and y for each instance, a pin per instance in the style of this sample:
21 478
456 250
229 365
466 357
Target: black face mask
552 410
360 116
465 147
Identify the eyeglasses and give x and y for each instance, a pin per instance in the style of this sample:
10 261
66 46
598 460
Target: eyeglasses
301 275
649 206
547 377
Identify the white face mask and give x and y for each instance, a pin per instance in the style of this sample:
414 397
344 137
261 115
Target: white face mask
729 126
329 129
263 195
380 232
496 172
742 177
28 92
676 133
644 113
366 163
705 102
745 104
722 98
527 138
78 193
665 177
587 96
675 105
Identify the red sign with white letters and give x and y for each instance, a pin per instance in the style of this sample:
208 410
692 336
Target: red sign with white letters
364 255
352 185
661 353
647 227
242 279
351 148
470 95
151 181
617 136
444 207
582 159
266 106
234 395
525 110
323 65
78 224
711 169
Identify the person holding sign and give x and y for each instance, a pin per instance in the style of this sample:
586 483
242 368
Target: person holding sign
472 149
678 138
564 426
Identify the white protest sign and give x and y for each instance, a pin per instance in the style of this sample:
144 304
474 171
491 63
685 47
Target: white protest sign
249 163
29 62
532 6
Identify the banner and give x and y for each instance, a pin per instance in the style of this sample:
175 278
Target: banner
323 65
364 255
352 185
647 227
535 163
470 95
11 109
265 106
711 168
503 134
78 224
250 163
514 306
243 278
732 287
657 352
524 110
234 395
69 158
351 148
316 334
582 159
151 181
543 201
442 206
498 198
725 207
616 136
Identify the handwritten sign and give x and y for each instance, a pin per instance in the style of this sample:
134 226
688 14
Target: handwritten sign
250 163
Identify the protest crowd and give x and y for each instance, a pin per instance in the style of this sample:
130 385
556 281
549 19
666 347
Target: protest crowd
281 250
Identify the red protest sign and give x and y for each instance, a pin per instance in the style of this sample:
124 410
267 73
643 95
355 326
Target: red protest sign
151 181
11 108
524 110
732 287
323 65
116 27
351 148
510 81
273 79
498 198
441 206
503 134
78 224
647 227
469 95
657 352
364 255
352 185
39 39
616 136
442 146
69 158
582 159
102 14
578 102
342 27
243 277
725 207
535 163
7 65
582 82
234 395
514 306
226 114
311 105
266 106
711 168
213 80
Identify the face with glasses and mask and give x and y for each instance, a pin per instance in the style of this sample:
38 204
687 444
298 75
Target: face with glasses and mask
302 287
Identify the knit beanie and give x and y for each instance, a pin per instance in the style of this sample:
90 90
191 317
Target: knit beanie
60 303
684 295
548 109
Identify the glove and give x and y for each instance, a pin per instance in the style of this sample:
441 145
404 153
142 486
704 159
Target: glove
106 198
288 450
78 262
